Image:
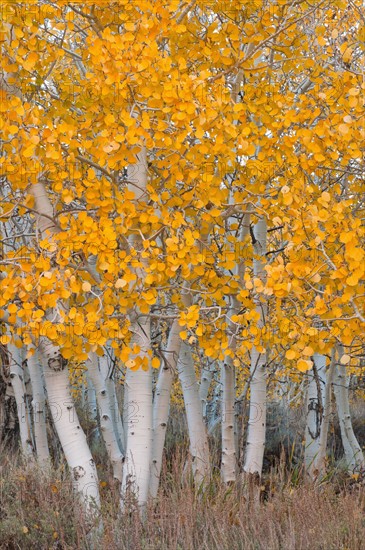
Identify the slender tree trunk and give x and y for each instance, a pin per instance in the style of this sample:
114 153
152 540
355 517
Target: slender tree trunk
91 397
315 410
205 382
114 405
353 453
161 403
199 448
229 457
105 416
39 408
320 461
17 381
257 416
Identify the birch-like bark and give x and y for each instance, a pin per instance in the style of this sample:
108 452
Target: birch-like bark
199 447
138 427
114 405
257 416
205 382
354 456
69 431
228 371
161 404
229 456
138 383
60 401
39 408
320 461
17 381
91 400
105 417
315 411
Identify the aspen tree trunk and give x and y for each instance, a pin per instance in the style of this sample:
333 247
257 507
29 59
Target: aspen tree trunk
60 401
114 406
320 460
257 415
229 456
138 383
91 400
161 404
228 372
136 470
205 382
105 417
69 431
228 378
39 408
17 381
315 411
199 447
353 453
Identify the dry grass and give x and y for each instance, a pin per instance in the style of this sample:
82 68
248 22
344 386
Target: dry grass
38 511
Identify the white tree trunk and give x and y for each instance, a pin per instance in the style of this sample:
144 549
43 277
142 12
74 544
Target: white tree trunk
229 456
199 448
17 381
105 416
114 406
205 382
161 404
60 401
91 400
315 411
257 416
138 427
138 383
354 456
320 461
39 408
69 431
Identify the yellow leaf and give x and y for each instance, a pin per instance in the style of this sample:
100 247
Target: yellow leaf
183 335
291 354
352 280
155 362
346 236
120 283
345 359
304 365
86 287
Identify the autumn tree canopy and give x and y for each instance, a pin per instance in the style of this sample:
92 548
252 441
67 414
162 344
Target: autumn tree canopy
193 162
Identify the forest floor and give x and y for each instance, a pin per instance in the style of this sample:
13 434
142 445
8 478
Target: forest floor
38 511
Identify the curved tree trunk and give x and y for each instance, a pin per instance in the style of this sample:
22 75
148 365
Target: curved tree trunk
69 431
60 401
